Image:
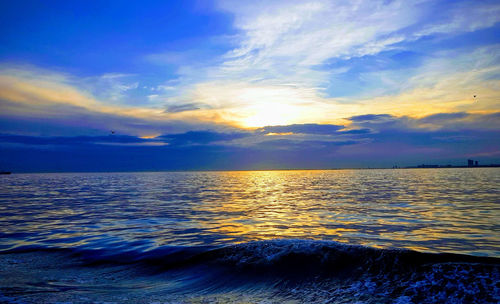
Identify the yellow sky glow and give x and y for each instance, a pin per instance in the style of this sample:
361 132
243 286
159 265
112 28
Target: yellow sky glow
250 106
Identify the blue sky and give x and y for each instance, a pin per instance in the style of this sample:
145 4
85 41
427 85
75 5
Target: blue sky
247 84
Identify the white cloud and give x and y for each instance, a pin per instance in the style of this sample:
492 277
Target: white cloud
310 33
272 76
112 87
286 39
276 72
443 83
465 16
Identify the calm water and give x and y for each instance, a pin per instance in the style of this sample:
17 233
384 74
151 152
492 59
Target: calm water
437 210
211 236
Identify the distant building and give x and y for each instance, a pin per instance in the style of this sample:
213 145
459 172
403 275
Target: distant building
476 163
470 163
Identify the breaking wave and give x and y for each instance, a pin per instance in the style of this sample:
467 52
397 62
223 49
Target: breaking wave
314 271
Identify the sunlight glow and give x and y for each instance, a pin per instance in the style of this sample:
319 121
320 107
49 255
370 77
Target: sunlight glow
149 136
279 134
262 115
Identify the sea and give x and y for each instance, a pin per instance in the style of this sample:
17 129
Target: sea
312 236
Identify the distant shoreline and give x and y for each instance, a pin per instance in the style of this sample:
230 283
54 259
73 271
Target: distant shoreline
449 166
293 169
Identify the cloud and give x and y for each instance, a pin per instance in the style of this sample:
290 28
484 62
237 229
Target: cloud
287 144
303 128
291 55
442 121
312 32
190 138
463 16
33 86
444 116
284 60
201 137
355 131
371 117
447 82
112 87
286 34
373 142
250 105
460 121
73 141
183 107
39 96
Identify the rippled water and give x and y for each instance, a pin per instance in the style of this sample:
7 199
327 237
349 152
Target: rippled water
432 210
210 237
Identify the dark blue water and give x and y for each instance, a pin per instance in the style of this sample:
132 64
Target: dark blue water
368 236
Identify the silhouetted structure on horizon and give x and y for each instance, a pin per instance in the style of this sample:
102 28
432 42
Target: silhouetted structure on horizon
470 164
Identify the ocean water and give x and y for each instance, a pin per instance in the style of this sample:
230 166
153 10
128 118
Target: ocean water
334 236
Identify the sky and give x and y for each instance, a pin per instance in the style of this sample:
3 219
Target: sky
246 85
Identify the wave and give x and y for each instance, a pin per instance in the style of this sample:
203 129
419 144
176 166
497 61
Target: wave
301 268
287 254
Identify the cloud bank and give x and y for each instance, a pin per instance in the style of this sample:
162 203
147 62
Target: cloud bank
370 141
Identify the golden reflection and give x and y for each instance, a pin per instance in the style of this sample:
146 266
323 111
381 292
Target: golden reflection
363 207
379 208
269 206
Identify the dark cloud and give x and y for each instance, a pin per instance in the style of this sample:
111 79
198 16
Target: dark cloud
181 139
201 137
303 129
67 120
443 121
182 108
304 144
71 141
371 118
443 117
371 141
460 121
355 131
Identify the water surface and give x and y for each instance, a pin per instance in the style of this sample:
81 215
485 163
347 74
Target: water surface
337 236
435 210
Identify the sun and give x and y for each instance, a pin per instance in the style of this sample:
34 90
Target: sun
259 106
250 105
262 115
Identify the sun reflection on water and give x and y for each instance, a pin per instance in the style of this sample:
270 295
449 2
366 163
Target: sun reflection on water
454 210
